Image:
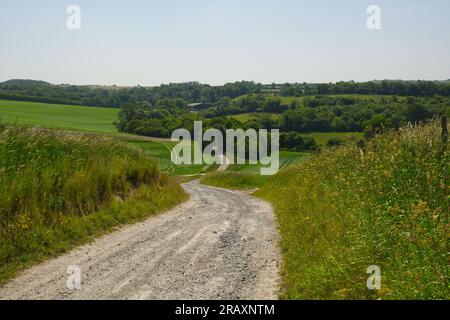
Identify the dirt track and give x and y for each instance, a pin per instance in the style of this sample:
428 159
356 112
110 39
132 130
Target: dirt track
219 245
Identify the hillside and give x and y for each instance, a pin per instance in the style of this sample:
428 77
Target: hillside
347 209
78 118
61 189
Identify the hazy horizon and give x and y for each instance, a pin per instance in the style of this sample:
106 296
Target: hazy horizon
129 43
220 84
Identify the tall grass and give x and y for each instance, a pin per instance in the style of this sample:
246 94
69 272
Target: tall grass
346 209
51 182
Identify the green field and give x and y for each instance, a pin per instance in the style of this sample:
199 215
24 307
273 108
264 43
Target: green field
286 158
91 119
77 118
322 138
161 152
94 119
247 176
288 100
244 117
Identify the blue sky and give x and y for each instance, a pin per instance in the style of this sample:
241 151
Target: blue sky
216 41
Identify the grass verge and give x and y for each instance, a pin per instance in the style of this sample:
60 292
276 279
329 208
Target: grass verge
58 190
343 210
234 180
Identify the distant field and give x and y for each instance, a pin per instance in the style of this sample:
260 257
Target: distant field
158 151
286 158
322 138
243 117
161 152
58 116
94 119
90 119
247 176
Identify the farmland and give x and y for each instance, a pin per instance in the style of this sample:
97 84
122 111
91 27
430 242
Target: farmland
96 119
322 138
76 118
100 120
89 119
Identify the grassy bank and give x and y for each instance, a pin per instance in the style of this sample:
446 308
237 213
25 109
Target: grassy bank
344 210
234 180
61 189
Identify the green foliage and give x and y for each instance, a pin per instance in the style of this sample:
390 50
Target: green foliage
377 125
399 88
346 209
416 112
346 113
51 181
333 142
336 113
295 141
115 97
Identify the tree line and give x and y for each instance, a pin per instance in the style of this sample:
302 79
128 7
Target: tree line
194 92
115 97
312 114
344 106
385 87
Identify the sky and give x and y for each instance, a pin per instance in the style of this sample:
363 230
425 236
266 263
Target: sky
137 42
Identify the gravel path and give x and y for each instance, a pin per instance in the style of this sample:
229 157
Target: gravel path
220 244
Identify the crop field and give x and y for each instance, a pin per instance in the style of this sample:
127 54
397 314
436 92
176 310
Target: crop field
77 118
90 119
95 119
